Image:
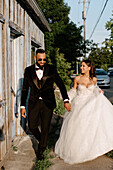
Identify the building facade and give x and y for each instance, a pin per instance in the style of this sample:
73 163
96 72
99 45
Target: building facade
22 28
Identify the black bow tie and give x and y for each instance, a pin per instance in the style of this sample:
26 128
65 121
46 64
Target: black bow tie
41 68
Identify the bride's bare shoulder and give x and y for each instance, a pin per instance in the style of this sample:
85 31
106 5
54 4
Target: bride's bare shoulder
77 78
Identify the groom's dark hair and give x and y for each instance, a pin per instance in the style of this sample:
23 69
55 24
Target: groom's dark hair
40 51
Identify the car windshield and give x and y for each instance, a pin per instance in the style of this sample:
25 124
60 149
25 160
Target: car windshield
101 72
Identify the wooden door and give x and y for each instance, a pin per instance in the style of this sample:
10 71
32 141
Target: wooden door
2 95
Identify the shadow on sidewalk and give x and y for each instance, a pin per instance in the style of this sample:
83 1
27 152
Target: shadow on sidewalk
53 136
54 132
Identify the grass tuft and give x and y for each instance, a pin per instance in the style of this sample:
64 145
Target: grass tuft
110 154
44 164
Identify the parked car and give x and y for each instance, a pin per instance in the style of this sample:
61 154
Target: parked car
110 69
110 73
103 80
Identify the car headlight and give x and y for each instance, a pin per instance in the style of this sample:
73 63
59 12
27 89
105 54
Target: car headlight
107 80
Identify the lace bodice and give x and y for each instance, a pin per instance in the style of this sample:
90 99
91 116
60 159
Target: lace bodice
81 89
84 91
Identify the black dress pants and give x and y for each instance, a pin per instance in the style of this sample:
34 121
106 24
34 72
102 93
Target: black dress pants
40 115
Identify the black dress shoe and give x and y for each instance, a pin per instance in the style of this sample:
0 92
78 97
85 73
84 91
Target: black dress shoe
40 157
1 135
40 153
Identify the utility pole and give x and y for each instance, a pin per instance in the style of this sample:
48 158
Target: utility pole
84 18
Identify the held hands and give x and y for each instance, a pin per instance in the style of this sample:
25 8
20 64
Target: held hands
67 106
23 112
101 91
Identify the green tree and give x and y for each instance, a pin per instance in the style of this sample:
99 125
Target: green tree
64 35
100 56
109 42
103 57
70 43
63 68
56 13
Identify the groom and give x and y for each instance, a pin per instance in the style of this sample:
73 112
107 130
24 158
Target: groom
40 77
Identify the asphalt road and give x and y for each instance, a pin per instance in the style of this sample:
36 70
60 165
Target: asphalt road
108 92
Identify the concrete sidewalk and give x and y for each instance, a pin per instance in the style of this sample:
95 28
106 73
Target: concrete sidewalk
101 163
24 159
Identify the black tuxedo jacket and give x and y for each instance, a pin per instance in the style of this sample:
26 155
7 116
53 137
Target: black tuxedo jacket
46 90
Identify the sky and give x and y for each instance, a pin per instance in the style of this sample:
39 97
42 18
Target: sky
92 15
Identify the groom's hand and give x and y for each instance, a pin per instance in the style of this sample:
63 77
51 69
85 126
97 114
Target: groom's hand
23 112
67 106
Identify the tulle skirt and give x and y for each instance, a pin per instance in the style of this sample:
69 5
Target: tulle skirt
87 130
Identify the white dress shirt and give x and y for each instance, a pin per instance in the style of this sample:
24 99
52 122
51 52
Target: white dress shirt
39 73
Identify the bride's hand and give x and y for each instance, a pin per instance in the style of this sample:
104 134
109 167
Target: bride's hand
67 106
101 91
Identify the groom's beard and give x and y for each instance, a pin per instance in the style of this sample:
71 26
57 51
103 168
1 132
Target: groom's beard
41 67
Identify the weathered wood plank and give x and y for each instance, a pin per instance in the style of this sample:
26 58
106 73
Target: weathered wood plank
26 39
35 42
11 10
9 88
2 149
5 68
42 41
22 18
37 36
3 146
12 87
1 7
18 14
15 29
1 61
15 78
18 86
29 41
21 71
15 12
2 19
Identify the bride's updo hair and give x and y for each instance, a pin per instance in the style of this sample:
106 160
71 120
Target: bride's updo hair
90 64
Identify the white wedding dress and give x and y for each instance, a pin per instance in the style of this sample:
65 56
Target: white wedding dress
87 130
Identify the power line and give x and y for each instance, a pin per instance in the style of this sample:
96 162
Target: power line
98 19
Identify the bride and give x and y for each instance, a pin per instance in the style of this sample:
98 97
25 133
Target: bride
87 130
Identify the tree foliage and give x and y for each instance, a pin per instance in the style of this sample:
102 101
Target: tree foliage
100 56
70 42
103 57
63 68
109 42
64 35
